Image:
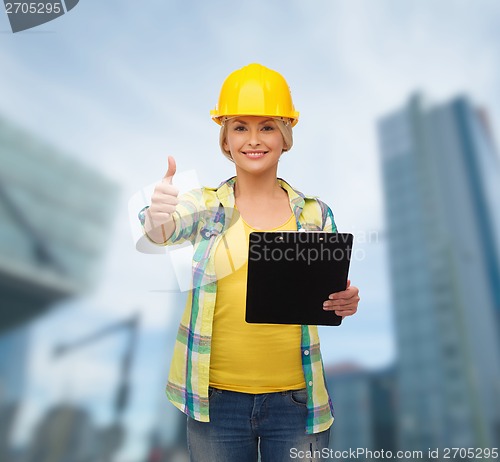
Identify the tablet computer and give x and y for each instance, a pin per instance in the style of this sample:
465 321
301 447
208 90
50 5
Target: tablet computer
291 274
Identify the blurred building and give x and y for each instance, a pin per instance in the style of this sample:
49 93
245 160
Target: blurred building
13 351
66 433
442 177
54 220
364 408
384 401
168 442
55 215
13 354
349 388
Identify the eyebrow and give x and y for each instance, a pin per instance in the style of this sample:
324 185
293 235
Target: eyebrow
260 123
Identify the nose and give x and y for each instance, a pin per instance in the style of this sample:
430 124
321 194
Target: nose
253 137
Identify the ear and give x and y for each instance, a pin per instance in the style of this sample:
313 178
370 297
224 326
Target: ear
285 146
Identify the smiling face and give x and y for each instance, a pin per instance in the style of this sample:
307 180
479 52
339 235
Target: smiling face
255 143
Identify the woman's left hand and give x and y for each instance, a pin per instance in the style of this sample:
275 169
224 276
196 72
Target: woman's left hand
344 303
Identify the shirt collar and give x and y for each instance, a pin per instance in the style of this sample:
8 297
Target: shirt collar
225 194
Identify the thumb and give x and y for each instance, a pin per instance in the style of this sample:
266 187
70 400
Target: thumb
348 283
171 169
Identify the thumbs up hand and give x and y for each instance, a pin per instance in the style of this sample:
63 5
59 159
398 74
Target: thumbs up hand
158 223
171 170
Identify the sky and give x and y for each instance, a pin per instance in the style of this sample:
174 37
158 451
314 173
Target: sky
121 85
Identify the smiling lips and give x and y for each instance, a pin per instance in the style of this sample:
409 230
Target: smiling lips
254 154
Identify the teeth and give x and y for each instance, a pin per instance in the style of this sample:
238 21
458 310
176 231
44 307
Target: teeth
254 154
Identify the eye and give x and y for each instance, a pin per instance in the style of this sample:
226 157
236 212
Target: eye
239 128
267 128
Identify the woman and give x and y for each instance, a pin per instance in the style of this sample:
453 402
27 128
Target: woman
245 387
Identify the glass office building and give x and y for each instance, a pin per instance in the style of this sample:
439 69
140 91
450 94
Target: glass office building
14 347
441 177
55 215
349 388
364 407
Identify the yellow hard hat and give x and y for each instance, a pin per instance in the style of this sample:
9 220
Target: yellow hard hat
255 90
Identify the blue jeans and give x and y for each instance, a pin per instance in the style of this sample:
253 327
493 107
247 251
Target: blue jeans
241 424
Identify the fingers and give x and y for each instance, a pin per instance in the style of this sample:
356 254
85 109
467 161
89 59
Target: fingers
171 170
344 310
347 294
162 207
164 189
344 313
344 303
329 305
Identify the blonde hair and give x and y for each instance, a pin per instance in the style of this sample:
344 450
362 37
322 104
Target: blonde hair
284 126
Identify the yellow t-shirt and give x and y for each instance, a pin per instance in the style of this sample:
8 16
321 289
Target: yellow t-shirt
249 358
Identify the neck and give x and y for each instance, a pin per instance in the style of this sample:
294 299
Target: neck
256 186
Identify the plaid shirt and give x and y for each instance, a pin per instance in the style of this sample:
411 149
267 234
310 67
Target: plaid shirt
201 217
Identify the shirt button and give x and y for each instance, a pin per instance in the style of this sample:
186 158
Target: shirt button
306 352
310 383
